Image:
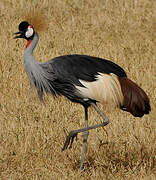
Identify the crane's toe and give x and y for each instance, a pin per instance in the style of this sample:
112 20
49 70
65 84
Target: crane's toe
69 140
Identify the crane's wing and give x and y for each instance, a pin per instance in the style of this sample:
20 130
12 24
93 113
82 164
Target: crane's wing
84 67
70 72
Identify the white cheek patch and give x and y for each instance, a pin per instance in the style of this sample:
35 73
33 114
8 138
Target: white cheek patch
29 32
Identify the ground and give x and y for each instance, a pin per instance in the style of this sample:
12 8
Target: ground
32 134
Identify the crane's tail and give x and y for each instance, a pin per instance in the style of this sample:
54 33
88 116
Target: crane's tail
136 100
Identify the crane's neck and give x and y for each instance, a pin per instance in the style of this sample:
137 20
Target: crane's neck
39 76
31 44
30 63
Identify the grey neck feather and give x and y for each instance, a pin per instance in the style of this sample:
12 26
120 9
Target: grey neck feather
28 53
31 47
37 74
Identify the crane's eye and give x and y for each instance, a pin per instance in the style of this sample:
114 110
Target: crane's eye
29 32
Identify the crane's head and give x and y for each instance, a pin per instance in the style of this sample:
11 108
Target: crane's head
26 31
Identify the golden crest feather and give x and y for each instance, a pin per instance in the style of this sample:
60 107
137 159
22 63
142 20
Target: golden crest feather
36 18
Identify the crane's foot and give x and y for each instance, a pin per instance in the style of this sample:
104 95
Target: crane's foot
69 140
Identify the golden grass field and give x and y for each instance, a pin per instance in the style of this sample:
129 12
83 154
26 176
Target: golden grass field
32 135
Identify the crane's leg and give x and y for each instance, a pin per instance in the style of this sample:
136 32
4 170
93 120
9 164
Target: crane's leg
85 137
74 133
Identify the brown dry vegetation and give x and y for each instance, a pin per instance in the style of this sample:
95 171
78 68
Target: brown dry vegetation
32 135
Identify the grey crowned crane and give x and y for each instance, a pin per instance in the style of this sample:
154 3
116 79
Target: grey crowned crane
82 79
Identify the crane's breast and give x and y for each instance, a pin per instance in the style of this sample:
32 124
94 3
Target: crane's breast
105 89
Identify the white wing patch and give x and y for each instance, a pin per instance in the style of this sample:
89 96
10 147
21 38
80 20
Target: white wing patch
106 89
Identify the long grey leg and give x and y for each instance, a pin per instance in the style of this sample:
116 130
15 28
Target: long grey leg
74 133
104 117
85 137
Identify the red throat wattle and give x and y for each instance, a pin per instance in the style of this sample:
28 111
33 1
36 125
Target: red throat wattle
28 43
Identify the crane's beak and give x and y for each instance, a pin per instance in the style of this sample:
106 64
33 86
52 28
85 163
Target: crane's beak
19 35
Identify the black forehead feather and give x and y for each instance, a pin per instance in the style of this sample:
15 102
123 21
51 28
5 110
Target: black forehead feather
23 26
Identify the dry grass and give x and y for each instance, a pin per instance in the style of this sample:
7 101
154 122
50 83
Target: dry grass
32 135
